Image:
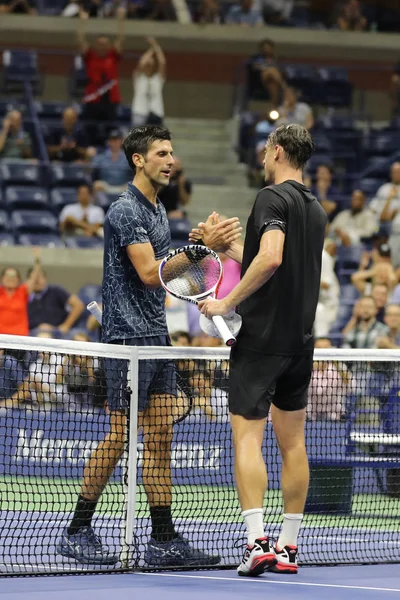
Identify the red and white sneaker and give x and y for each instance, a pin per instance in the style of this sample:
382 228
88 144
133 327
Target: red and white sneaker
286 560
257 558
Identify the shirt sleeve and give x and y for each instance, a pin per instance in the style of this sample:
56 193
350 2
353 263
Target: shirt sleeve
270 212
128 225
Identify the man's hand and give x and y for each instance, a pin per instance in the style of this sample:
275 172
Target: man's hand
6 124
63 328
217 235
211 308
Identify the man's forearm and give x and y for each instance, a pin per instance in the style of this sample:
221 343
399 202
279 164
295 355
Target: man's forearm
235 252
260 271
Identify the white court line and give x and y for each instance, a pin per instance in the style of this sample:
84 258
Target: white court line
243 579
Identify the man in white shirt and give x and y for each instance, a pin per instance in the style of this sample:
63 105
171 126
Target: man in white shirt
328 302
82 218
388 191
349 226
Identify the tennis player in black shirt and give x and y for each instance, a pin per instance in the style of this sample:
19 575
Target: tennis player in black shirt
272 361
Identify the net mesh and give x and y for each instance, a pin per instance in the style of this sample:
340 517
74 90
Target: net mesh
54 419
191 273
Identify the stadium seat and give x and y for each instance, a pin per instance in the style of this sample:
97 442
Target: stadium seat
377 166
318 159
84 242
4 223
322 142
33 221
60 197
370 185
77 79
383 144
49 240
303 78
20 173
180 229
349 258
19 67
7 105
105 200
88 293
124 114
25 197
335 88
50 110
52 7
68 175
7 239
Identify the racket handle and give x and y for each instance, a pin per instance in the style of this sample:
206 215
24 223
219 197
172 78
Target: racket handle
96 311
224 331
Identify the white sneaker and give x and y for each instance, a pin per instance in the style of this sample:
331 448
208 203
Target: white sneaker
286 560
257 558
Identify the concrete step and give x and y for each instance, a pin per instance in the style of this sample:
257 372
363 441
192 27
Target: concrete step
227 200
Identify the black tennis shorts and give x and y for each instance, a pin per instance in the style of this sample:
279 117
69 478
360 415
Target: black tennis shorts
257 380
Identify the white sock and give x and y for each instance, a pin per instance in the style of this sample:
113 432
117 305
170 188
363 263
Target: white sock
254 519
290 530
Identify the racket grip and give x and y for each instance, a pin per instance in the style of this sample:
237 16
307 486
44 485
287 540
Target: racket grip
224 331
96 311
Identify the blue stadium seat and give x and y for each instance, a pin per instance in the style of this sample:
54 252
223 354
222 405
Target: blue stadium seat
180 229
90 292
370 185
377 166
49 240
383 144
52 7
77 79
68 175
335 88
60 197
124 114
303 77
7 239
105 200
337 123
318 159
7 105
50 110
33 221
322 142
349 258
20 173
20 66
25 197
84 242
4 222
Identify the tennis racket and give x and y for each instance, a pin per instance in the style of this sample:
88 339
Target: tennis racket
193 273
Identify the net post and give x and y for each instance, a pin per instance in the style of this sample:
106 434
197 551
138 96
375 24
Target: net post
131 464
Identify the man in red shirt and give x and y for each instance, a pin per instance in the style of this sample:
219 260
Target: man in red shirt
102 93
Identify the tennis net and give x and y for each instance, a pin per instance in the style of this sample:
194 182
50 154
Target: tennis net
53 417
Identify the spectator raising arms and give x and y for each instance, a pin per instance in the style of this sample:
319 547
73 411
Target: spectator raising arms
14 297
148 83
82 218
381 273
352 225
15 143
102 94
351 18
52 307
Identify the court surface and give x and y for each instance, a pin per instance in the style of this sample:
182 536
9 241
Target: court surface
333 583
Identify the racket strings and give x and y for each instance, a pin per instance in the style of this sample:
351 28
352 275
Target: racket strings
191 276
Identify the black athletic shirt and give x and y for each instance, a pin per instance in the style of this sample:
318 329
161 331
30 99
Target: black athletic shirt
279 317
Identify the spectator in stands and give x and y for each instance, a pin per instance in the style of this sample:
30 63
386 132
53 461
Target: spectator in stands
392 320
325 191
328 301
351 18
24 7
293 111
52 307
82 218
363 329
69 143
76 378
110 169
276 12
387 199
181 339
102 93
356 223
271 77
244 13
14 297
381 273
148 82
329 385
394 89
11 376
380 294
15 143
207 11
162 10
177 194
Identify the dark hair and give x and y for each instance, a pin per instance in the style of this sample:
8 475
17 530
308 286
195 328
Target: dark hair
84 184
139 140
296 141
177 334
29 272
267 41
368 297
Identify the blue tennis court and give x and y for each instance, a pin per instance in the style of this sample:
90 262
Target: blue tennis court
331 583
